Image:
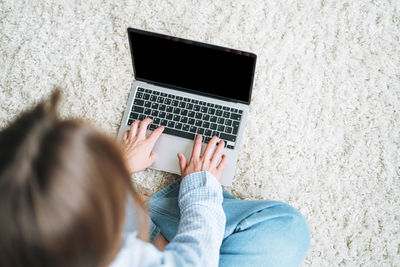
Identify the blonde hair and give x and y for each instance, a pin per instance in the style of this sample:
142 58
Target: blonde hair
63 190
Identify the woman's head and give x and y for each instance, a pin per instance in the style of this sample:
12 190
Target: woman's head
63 189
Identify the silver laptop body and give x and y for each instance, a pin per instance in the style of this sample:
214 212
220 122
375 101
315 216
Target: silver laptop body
169 144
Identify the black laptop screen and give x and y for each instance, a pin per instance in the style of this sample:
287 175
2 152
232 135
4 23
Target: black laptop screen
190 65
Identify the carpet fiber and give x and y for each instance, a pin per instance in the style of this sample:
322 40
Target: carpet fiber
324 125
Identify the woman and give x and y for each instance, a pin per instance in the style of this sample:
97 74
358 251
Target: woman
66 199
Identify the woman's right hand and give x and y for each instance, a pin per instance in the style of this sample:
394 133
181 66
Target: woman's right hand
206 162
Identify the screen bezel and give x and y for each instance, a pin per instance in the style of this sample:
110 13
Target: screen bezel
226 49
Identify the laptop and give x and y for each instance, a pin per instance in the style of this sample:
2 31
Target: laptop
190 88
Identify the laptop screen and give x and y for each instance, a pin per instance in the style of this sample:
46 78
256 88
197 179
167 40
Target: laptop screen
193 66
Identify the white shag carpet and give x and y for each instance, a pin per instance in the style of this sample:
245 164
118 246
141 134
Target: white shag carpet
324 126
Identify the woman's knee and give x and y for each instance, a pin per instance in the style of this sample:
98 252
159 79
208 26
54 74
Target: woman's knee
291 233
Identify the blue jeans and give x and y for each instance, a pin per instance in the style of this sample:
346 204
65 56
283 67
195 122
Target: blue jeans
257 232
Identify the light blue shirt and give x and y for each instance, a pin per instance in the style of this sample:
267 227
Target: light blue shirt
199 235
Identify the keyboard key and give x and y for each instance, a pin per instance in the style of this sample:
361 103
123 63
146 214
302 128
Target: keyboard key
140 89
206 117
176 118
215 133
175 103
230 147
194 101
204 109
228 129
228 122
146 96
142 117
162 107
178 133
153 98
235 116
196 108
240 111
138 102
207 139
139 95
226 114
213 119
154 106
148 91
169 109
164 122
184 119
179 97
178 125
234 110
202 103
221 128
191 114
211 111
189 106
147 104
171 96
186 99
235 130
208 132
154 113
177 110
210 105
171 124
191 121
156 121
130 122
228 137
182 104
218 106
185 127
147 111
199 115
137 109
160 99
162 114
198 123
193 129
221 120
218 112
213 126
225 108
167 101
169 116
156 93
235 124
152 127
200 131
163 94
134 116
184 112
206 124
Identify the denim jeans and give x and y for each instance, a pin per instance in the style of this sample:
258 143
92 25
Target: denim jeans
257 232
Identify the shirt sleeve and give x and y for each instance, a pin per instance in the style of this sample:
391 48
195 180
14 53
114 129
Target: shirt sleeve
200 230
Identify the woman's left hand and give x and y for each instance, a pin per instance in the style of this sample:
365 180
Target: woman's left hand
137 148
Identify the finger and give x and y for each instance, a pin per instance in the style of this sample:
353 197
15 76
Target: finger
217 154
222 163
133 129
210 147
143 127
124 136
153 137
182 162
196 147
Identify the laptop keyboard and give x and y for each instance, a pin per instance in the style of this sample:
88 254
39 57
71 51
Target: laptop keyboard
186 117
